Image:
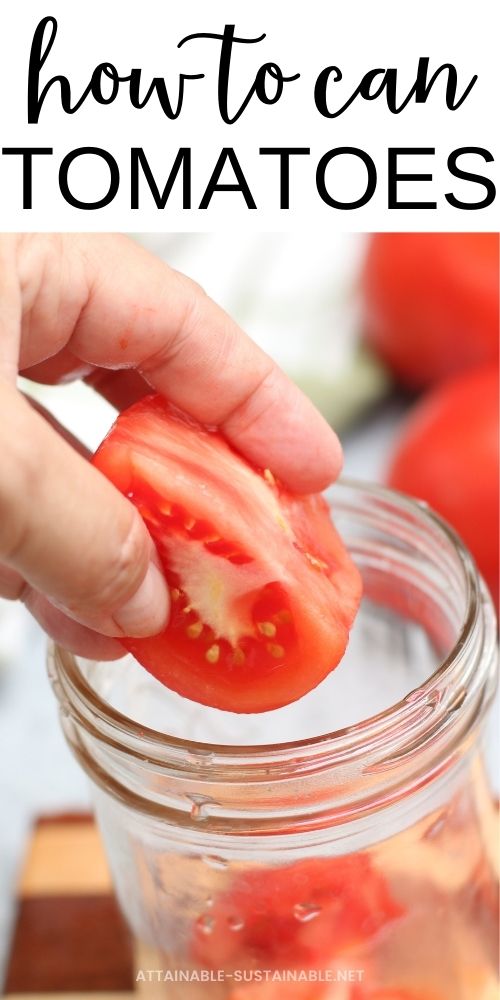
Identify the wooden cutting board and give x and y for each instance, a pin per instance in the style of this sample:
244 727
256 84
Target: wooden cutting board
69 936
70 941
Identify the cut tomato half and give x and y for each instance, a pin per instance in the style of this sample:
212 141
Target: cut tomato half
263 591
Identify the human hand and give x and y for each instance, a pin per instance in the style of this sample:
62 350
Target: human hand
101 308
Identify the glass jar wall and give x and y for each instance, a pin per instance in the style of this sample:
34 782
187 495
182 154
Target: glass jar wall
342 848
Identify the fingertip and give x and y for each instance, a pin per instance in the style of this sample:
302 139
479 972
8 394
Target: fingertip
312 468
319 440
330 459
146 613
278 427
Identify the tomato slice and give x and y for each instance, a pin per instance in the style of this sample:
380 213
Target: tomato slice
298 916
263 590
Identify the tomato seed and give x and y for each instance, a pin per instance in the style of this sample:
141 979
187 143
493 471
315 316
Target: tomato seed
194 631
175 594
268 476
189 523
267 628
280 521
275 650
212 654
283 617
317 563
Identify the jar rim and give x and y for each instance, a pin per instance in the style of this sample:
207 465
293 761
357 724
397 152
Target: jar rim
364 734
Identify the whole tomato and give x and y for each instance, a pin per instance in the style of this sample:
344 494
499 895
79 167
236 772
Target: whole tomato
447 454
430 302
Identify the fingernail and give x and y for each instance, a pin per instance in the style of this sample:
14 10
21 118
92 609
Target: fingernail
147 611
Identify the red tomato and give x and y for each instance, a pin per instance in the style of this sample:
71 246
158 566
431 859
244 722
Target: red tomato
448 455
325 991
291 991
263 590
298 916
431 302
390 993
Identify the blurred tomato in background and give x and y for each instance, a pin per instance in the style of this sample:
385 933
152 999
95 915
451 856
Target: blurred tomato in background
448 455
430 302
430 312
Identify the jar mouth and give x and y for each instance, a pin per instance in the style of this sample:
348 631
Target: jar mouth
423 709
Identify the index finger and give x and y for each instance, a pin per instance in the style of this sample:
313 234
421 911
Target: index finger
136 312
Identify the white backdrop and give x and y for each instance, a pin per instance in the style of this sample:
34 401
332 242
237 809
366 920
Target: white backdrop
356 36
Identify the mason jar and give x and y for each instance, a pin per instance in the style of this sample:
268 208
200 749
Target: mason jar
340 848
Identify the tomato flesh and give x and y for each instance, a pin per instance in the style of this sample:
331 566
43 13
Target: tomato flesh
324 991
391 993
303 915
263 590
290 991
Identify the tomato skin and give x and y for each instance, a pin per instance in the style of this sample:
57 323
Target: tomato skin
447 455
263 590
430 302
303 915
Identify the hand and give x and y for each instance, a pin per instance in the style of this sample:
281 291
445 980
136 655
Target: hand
100 308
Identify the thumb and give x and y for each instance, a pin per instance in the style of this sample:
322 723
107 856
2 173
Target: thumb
70 534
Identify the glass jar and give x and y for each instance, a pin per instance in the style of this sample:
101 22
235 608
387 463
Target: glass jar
312 852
